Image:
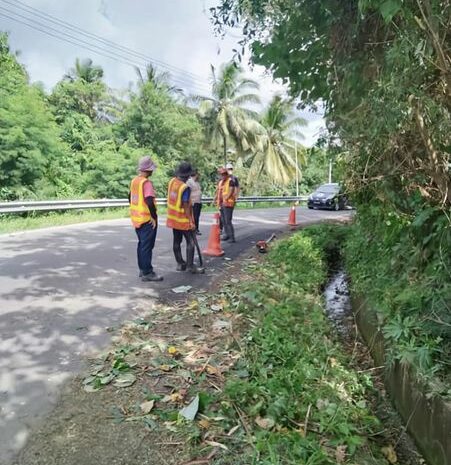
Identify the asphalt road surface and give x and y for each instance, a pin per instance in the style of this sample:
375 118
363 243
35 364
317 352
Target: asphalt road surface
62 287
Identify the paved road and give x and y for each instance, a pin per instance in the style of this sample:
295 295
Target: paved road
60 288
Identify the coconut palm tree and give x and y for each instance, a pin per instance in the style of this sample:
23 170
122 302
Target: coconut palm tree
86 71
277 158
224 114
161 80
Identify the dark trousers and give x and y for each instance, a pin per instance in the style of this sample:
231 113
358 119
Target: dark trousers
146 241
197 207
226 217
177 243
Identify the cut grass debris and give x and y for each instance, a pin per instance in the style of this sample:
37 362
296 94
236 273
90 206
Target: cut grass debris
251 374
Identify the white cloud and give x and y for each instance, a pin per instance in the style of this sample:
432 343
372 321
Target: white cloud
177 32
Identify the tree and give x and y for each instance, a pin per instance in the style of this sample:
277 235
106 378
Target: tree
225 115
160 80
30 147
277 158
85 71
81 91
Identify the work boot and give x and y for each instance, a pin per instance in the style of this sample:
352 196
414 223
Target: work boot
140 274
198 233
196 269
152 276
225 238
181 267
233 240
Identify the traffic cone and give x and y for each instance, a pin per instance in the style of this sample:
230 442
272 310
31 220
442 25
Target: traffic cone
292 217
214 241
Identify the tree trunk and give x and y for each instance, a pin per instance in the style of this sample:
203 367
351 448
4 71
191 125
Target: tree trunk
224 139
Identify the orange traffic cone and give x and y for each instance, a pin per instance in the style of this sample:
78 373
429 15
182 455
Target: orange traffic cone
292 217
214 242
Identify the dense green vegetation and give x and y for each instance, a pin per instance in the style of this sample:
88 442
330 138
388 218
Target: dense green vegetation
83 139
295 386
382 69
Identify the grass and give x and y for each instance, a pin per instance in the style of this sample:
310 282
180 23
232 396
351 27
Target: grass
302 402
14 223
274 385
9 224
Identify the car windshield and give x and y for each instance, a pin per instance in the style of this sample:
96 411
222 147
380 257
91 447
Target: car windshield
328 189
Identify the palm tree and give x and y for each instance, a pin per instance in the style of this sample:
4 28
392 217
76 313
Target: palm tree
86 71
225 115
160 80
277 158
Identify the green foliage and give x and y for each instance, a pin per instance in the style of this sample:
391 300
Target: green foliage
382 69
295 374
30 147
226 116
405 273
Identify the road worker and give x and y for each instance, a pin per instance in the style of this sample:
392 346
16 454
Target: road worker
225 199
180 218
229 168
196 198
143 213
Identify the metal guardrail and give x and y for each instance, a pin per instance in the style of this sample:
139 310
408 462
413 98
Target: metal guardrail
58 205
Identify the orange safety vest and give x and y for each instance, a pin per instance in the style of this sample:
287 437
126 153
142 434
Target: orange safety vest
139 211
223 193
177 218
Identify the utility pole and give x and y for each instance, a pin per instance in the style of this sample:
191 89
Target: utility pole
330 170
297 168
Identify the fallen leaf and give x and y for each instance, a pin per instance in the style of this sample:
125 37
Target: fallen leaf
235 281
390 454
211 370
190 411
124 380
233 430
216 444
172 350
91 388
181 289
216 307
265 423
340 454
107 379
146 407
204 423
176 397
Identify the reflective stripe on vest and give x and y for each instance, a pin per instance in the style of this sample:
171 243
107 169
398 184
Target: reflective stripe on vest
225 186
139 211
176 216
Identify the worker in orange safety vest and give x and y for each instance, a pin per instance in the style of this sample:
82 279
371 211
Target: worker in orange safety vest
225 199
143 214
180 218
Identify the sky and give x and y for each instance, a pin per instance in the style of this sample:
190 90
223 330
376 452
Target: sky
177 35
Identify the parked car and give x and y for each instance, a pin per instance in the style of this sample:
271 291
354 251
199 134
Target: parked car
329 196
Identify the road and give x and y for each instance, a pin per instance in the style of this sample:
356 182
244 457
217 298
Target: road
62 287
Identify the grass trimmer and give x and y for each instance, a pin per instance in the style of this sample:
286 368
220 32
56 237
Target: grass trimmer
262 246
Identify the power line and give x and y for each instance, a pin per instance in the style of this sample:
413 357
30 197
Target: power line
47 17
88 45
98 50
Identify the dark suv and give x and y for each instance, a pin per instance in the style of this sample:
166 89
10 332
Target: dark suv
329 196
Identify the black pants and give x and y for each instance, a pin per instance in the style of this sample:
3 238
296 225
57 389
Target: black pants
197 207
146 241
226 217
177 243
